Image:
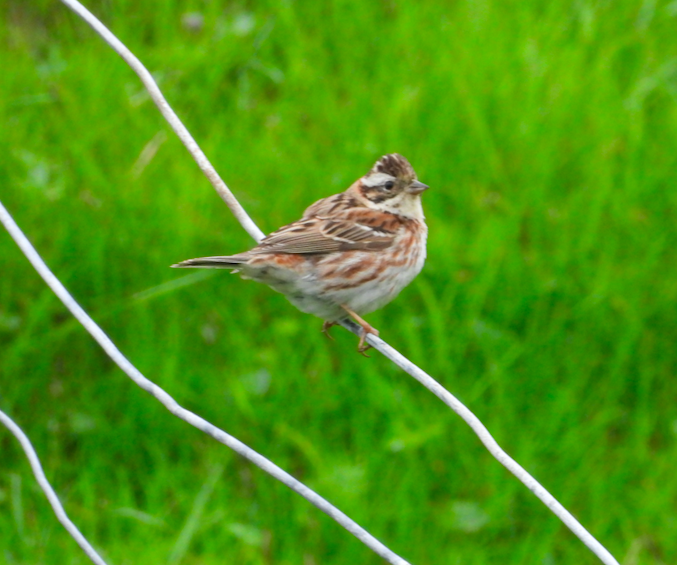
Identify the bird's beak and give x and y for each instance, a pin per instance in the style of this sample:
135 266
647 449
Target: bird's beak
417 187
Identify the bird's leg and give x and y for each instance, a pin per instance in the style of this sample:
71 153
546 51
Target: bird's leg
325 329
366 329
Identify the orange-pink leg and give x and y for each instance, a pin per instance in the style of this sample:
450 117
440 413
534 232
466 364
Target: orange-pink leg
325 329
366 329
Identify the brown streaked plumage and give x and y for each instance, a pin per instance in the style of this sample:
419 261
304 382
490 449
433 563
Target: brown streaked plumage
349 254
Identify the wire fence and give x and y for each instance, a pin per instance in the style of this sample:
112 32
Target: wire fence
426 380
193 419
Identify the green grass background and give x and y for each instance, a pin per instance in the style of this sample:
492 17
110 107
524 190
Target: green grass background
548 133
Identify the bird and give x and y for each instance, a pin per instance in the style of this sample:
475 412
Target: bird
349 254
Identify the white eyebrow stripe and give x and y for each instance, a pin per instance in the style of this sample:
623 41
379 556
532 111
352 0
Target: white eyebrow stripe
376 179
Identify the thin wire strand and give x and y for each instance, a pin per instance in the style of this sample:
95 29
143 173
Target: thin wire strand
489 442
564 515
165 109
53 499
193 419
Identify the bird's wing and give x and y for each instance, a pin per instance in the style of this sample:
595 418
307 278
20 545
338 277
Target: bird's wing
327 235
329 206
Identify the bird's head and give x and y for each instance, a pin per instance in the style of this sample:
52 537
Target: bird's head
391 186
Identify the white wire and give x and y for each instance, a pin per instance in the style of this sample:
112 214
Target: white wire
490 443
48 490
147 79
193 419
426 380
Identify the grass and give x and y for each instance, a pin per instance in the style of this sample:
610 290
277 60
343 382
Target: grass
547 131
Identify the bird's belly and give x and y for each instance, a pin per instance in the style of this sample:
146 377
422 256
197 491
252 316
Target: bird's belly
369 281
363 281
300 287
371 295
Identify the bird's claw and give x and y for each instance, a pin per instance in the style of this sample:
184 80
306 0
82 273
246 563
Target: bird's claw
325 329
363 346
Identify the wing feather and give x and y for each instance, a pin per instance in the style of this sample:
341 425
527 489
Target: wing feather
324 235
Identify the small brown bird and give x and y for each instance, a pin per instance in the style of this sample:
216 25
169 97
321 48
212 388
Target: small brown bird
349 254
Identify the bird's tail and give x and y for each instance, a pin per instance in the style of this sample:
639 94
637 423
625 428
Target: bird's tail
228 262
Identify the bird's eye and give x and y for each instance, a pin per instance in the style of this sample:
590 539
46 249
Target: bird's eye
389 185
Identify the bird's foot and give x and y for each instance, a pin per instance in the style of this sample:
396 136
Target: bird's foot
325 329
362 346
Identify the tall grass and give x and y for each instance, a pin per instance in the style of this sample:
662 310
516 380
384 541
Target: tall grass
548 133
